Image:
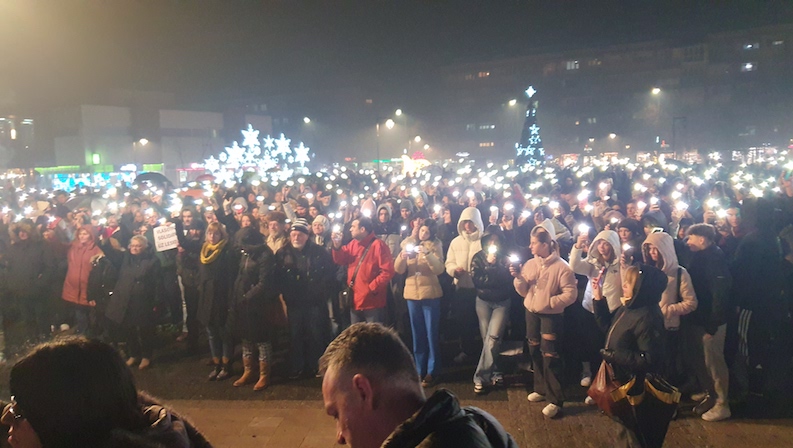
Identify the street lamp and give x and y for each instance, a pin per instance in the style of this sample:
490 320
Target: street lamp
656 90
398 112
389 123
143 142
417 139
612 136
513 102
306 120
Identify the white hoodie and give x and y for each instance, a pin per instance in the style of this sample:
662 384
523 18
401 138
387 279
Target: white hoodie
464 246
671 305
590 267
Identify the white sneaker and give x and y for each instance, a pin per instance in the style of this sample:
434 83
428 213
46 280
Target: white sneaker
717 413
589 401
534 397
551 410
65 327
586 379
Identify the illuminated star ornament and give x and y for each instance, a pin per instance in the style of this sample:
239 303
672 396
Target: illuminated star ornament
250 137
301 154
530 91
282 147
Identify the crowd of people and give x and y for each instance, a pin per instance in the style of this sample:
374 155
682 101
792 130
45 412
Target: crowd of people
539 256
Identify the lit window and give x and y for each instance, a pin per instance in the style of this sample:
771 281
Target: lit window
368 101
483 74
592 120
469 77
470 127
577 122
486 144
777 43
594 62
572 65
748 66
486 127
751 46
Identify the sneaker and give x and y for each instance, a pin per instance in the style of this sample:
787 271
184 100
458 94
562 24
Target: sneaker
586 379
534 397
717 413
698 397
479 389
131 361
552 410
223 374
589 401
498 381
213 375
144 364
65 327
705 405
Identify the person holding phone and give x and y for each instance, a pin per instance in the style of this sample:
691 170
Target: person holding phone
601 260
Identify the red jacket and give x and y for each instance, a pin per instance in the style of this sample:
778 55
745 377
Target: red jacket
369 290
75 286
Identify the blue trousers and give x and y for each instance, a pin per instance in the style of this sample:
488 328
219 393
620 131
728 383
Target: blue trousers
424 317
493 317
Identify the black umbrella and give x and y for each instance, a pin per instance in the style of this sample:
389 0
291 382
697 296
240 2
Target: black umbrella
154 178
646 409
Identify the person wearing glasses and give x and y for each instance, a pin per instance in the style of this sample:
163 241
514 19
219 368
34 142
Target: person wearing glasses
92 403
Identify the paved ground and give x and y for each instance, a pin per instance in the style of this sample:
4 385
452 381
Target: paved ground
290 414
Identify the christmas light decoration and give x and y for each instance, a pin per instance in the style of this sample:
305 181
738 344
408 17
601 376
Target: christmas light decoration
529 149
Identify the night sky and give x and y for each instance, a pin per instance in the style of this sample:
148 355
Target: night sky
61 50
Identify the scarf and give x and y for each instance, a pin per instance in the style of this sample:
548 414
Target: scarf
210 252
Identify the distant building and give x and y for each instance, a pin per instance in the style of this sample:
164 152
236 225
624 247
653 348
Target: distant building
726 91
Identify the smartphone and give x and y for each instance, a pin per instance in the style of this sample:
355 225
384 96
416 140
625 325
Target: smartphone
601 278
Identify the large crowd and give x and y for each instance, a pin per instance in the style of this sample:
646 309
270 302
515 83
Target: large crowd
452 260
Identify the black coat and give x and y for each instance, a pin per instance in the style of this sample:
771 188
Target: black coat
30 268
635 333
712 281
215 281
305 276
493 282
254 293
137 288
442 423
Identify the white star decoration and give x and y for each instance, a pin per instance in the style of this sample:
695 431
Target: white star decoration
531 91
282 147
274 154
250 137
301 154
535 130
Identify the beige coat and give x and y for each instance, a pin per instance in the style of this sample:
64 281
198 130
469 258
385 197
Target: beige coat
547 285
673 303
422 270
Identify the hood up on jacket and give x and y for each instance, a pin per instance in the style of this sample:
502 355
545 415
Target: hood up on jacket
474 215
648 288
24 226
666 246
493 235
91 231
612 238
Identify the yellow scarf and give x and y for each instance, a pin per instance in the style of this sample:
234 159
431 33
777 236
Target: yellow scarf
210 252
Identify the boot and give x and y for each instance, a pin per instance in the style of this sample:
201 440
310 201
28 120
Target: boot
264 376
247 373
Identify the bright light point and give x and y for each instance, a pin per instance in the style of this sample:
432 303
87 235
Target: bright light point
612 136
513 102
656 90
417 139
306 120
531 91
398 112
143 141
389 123
426 146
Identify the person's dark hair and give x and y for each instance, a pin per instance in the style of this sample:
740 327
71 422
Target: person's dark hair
706 231
366 223
432 226
372 349
74 392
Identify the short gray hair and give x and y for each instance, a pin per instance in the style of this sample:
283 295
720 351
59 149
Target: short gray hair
141 239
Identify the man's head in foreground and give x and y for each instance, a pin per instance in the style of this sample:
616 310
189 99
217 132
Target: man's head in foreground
370 384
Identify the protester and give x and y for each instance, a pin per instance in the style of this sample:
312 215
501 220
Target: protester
215 279
82 252
371 388
549 286
93 403
421 260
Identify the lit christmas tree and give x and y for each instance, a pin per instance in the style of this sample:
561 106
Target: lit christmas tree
529 149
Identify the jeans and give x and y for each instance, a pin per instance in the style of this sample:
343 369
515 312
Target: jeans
424 318
493 317
373 315
307 330
544 332
714 360
219 341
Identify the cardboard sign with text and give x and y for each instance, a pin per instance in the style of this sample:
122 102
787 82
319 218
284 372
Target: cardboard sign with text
165 238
